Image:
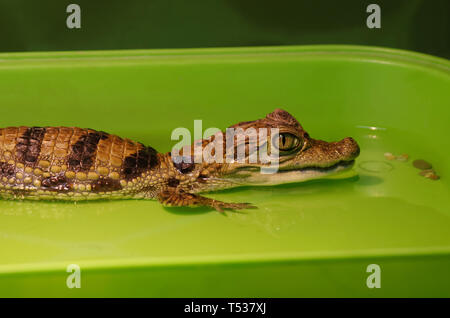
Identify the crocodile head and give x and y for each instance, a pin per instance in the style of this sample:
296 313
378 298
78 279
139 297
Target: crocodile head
300 157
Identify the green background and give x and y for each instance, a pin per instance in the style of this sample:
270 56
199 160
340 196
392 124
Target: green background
417 25
309 239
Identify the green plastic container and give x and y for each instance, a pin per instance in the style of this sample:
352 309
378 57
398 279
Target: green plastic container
308 239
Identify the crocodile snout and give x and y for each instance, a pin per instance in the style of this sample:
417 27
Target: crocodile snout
348 148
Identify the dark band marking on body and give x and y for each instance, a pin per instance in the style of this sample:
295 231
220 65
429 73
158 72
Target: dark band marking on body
83 151
106 185
186 165
202 178
28 145
172 182
56 183
7 169
134 165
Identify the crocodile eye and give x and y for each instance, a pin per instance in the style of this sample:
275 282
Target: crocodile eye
288 142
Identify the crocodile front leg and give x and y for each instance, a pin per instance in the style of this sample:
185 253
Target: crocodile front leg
178 197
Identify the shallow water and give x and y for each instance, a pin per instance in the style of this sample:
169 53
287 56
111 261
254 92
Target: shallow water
386 203
389 193
387 209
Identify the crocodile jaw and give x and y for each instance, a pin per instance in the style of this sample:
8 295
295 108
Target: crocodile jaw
299 175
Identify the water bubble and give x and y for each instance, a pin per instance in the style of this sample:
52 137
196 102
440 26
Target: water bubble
376 166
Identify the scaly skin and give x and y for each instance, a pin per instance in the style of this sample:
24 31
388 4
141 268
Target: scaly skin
69 163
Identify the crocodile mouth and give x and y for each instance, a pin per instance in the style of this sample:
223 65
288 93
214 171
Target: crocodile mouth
297 174
339 166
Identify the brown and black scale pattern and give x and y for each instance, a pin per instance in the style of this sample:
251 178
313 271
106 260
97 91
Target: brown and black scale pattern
28 145
144 159
83 151
70 160
7 169
58 183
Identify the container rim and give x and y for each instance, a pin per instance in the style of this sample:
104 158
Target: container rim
400 55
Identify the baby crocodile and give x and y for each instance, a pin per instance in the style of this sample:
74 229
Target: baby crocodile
70 163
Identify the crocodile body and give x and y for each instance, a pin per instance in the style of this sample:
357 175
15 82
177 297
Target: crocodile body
70 163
